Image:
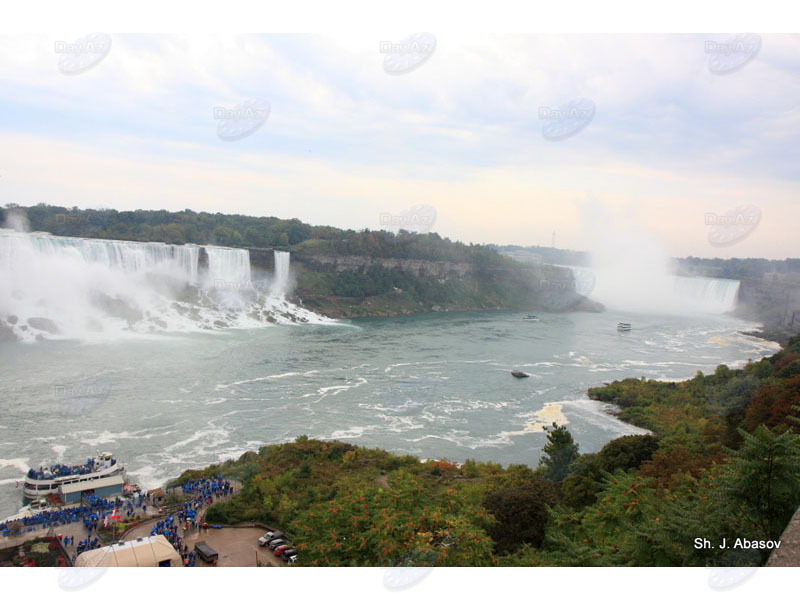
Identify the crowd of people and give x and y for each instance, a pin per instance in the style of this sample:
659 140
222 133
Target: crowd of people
169 529
204 489
62 470
88 543
50 518
92 512
202 492
95 512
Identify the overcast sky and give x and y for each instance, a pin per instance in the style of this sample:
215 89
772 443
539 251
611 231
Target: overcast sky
673 136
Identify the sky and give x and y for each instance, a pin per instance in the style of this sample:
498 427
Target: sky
663 133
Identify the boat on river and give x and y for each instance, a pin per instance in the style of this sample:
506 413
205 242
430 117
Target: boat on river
40 483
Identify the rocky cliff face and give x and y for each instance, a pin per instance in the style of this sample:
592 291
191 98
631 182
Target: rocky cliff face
448 286
442 270
262 258
773 300
421 268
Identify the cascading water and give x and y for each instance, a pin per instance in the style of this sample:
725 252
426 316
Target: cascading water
127 257
707 294
656 292
228 266
280 282
634 272
62 287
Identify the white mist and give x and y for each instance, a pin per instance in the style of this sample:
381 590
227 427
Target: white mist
632 271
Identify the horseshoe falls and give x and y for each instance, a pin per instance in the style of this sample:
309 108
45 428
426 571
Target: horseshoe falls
707 294
663 293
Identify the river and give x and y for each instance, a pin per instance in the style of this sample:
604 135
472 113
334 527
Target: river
433 385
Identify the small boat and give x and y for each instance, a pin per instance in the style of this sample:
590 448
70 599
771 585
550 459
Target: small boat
530 318
623 326
519 374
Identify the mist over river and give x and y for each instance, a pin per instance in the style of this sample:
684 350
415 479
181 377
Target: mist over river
434 385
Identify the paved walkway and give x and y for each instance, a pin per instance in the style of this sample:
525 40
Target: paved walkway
237 546
76 530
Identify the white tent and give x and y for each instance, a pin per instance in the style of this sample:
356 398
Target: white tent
144 552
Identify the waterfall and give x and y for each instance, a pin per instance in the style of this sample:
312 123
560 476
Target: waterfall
76 288
280 281
658 292
230 266
127 257
707 294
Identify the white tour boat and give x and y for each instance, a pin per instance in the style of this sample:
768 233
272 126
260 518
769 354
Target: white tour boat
47 480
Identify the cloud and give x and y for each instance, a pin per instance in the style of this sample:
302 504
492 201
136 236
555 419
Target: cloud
462 132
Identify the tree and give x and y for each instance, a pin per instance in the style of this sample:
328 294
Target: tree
587 472
404 525
585 480
772 404
627 452
734 396
760 482
722 373
559 453
616 530
521 513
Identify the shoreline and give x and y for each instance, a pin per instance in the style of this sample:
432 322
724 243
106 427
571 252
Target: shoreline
348 310
603 406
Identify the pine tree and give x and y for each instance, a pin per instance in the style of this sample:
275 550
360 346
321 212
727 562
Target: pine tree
559 453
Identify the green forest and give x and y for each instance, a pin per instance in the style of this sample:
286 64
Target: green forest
241 231
494 281
722 462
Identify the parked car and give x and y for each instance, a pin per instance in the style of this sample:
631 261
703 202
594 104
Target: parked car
206 552
281 549
292 559
277 542
269 536
288 553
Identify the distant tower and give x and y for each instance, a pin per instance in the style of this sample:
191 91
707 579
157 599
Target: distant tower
553 240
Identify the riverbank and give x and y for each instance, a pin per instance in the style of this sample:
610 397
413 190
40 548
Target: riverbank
641 500
780 336
399 304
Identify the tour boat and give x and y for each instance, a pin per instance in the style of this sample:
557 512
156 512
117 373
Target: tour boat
48 480
623 326
530 318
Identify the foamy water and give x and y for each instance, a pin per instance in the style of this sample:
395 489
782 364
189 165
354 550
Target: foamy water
97 290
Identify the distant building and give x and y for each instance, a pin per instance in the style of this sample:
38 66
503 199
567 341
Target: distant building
154 551
107 486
